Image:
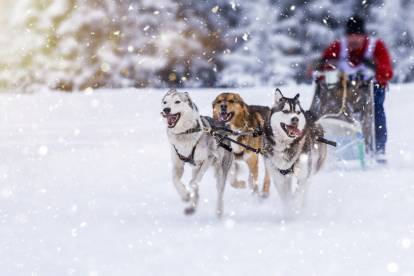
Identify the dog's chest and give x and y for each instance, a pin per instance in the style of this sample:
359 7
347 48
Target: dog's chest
283 156
192 146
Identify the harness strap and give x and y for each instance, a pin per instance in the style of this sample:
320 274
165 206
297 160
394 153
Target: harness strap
369 52
189 159
288 171
195 129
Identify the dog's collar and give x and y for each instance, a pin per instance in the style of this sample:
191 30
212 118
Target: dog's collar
195 129
288 171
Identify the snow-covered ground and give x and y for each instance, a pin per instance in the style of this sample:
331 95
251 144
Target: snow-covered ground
85 190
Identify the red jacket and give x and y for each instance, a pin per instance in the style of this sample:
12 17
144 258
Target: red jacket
381 58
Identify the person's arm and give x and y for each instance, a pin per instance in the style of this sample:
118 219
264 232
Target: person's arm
330 54
383 64
325 61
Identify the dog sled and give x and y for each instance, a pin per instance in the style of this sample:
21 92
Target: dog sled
344 106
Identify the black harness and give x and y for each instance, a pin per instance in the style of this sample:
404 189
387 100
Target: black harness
195 129
288 171
189 159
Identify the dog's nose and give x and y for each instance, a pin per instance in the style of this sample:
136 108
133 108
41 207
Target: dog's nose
295 120
223 106
167 110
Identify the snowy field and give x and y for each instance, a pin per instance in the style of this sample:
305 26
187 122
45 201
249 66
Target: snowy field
85 190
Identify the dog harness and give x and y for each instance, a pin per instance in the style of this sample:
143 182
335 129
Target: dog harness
195 129
288 171
189 159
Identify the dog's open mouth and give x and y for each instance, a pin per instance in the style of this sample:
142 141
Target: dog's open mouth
172 119
291 131
226 116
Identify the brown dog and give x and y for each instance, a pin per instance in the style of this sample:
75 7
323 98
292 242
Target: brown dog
232 110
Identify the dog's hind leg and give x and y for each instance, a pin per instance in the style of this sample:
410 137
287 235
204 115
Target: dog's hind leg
178 171
222 168
221 182
197 174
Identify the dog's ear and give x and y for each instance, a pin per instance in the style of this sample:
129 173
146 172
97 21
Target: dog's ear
278 96
240 100
190 102
171 91
296 98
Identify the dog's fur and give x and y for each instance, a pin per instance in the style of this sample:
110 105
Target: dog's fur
294 153
232 110
181 115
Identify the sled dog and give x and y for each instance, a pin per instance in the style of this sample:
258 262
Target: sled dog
293 152
230 109
192 146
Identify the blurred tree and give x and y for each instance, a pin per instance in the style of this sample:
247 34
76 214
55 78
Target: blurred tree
393 22
76 44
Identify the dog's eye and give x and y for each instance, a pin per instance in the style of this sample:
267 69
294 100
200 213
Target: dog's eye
218 102
231 101
285 111
164 102
177 102
298 112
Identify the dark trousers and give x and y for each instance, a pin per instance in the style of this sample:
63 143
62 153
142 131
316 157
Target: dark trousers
380 120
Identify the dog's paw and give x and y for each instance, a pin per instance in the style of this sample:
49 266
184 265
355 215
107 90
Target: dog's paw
189 210
186 197
264 194
239 184
254 189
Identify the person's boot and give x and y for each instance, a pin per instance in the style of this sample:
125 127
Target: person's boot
380 157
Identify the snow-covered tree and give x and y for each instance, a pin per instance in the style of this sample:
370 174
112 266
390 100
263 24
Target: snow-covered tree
75 44
393 22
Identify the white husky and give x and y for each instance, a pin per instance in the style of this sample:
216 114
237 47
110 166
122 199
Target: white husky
191 145
294 151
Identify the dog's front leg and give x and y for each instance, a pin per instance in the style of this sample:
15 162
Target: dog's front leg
233 175
283 184
178 171
197 174
266 183
253 164
299 197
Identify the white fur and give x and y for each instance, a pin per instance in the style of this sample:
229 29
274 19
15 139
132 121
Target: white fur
207 153
292 187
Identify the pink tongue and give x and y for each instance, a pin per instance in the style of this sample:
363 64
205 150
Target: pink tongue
294 131
171 120
223 117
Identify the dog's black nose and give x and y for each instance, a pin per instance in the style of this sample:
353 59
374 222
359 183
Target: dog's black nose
223 106
295 120
167 110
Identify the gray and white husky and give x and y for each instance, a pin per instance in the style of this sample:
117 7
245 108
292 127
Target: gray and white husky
293 150
192 146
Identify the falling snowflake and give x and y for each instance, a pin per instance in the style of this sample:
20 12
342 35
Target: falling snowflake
215 9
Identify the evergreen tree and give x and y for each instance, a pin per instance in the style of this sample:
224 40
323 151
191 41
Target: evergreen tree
393 22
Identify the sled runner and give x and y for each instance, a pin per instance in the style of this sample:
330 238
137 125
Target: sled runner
344 107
